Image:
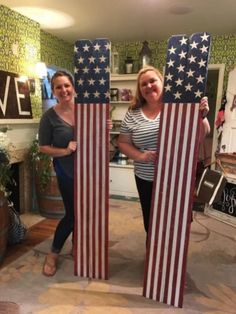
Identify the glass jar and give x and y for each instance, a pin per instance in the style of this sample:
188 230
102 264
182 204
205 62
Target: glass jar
129 65
145 55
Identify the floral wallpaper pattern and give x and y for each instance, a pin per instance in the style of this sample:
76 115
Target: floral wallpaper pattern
23 44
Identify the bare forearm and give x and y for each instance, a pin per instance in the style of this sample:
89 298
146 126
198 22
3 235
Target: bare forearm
55 151
130 151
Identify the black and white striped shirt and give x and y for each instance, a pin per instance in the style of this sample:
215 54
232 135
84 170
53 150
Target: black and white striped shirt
144 134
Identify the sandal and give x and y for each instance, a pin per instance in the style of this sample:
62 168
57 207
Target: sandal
49 266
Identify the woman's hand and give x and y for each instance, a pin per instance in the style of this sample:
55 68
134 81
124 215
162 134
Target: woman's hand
148 156
72 146
204 106
109 124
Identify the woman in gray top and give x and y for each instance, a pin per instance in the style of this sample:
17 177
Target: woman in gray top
56 138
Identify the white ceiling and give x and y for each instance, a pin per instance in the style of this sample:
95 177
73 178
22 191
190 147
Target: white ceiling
136 19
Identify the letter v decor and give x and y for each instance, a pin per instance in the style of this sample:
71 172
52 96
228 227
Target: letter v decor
92 86
171 211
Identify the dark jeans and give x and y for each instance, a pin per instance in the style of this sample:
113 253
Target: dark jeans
145 195
66 224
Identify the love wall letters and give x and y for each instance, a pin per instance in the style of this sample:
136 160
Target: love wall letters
14 97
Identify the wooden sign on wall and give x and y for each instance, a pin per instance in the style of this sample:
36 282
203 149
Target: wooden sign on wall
14 97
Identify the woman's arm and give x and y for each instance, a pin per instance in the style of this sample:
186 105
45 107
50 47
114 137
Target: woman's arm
58 152
126 147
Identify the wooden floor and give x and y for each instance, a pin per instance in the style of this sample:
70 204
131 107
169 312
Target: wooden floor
35 235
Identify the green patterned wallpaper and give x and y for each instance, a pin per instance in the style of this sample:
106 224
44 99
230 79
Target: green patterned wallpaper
23 44
20 48
55 51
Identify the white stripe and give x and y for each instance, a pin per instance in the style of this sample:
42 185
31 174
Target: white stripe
97 192
84 189
90 167
78 193
103 188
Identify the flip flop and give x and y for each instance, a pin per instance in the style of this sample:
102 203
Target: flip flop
49 266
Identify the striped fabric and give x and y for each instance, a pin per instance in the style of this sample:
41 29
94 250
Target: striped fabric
174 182
92 160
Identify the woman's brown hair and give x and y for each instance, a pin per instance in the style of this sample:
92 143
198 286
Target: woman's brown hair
61 73
138 100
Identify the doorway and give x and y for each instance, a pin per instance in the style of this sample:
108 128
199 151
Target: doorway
214 92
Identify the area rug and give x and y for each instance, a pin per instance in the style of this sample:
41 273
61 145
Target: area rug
210 281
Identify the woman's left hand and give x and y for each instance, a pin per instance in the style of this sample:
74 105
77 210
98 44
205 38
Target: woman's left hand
204 107
109 124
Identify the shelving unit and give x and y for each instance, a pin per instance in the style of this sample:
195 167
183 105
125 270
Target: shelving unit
122 182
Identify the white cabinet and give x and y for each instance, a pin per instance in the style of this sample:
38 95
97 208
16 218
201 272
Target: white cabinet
122 182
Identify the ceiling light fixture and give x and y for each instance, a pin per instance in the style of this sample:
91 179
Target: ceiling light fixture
48 19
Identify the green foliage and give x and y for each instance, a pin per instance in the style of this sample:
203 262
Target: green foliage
5 171
42 164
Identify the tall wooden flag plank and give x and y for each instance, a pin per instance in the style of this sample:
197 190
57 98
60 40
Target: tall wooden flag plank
171 212
92 86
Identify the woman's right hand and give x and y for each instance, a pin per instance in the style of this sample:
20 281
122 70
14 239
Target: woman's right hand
72 146
148 156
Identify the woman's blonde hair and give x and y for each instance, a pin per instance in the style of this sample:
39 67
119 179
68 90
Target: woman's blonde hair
138 100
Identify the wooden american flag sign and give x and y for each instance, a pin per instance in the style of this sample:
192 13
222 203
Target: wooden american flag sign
171 212
92 86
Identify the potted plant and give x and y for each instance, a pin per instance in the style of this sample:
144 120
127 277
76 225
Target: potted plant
48 196
5 180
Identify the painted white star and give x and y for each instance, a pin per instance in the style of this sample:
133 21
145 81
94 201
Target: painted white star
177 95
193 45
91 59
97 47
108 46
172 50
179 82
76 70
204 49
169 77
102 81
75 49
204 37
76 95
107 69
182 54
198 93
96 94
181 68
81 60
86 47
102 59
85 70
168 87
200 79
97 70
91 81
188 87
202 63
190 73
107 94
192 59
183 41
86 94
80 82
170 63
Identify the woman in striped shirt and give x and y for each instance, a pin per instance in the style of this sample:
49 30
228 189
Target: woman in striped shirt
140 129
